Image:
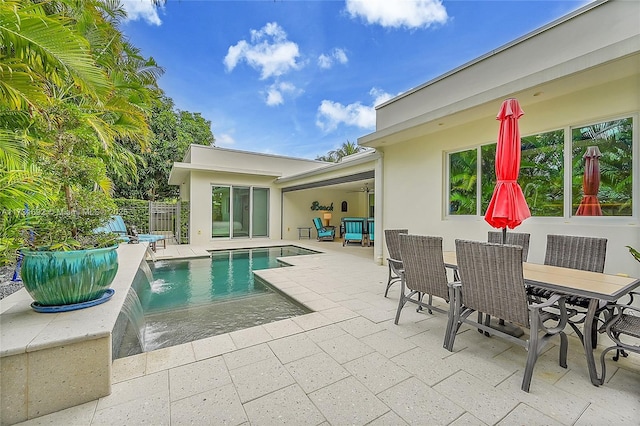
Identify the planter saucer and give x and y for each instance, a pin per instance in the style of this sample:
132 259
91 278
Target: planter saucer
73 306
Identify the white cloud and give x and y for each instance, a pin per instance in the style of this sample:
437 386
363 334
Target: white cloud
269 52
332 114
276 92
224 139
141 9
399 13
326 61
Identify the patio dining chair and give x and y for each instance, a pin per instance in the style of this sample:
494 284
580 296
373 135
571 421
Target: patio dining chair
624 321
423 274
392 239
574 252
492 282
514 239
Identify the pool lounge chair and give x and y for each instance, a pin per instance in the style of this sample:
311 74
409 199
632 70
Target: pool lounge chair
370 228
354 230
117 226
325 233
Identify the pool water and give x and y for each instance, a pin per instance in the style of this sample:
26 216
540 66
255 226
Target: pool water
192 299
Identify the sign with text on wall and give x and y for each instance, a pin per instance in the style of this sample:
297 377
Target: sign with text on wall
316 206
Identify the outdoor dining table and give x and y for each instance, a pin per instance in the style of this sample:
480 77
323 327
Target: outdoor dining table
594 286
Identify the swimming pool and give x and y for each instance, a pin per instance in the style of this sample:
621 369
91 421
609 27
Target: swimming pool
186 300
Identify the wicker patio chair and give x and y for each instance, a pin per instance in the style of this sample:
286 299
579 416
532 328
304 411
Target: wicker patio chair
624 321
392 239
492 281
514 239
584 253
424 273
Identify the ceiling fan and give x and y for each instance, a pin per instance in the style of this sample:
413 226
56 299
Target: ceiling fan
365 188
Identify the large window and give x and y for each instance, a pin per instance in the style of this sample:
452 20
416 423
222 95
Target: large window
544 159
612 185
239 211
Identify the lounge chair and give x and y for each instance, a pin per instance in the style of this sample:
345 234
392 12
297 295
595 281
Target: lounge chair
353 230
117 226
492 282
325 233
392 239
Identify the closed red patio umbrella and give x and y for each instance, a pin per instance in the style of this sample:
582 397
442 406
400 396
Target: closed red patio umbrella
508 207
590 206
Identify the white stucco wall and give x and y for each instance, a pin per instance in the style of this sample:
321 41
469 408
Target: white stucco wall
200 198
414 175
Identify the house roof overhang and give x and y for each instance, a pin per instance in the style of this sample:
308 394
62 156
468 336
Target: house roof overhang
474 90
180 171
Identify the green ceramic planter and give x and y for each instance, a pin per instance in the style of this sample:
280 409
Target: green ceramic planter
55 278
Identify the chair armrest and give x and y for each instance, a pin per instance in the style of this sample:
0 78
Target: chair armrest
540 315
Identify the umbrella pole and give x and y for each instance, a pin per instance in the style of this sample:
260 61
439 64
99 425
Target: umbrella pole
504 235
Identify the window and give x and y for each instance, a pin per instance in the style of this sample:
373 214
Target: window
544 159
463 175
614 180
239 211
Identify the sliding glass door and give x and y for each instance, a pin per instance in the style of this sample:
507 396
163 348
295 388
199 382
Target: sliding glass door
260 216
239 211
220 211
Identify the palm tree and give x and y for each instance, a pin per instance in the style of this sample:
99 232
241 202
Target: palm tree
72 90
347 148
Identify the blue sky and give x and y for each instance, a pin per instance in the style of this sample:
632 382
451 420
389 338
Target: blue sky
301 77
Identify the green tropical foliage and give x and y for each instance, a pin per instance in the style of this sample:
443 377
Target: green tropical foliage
73 92
173 131
615 141
347 148
463 177
542 171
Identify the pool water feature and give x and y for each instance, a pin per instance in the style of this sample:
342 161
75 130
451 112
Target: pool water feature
186 300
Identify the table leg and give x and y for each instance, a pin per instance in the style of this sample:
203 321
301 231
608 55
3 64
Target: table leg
587 341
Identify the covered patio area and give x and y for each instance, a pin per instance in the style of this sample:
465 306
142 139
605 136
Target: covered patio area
347 363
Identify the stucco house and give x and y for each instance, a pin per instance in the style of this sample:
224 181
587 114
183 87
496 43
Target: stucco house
239 194
577 80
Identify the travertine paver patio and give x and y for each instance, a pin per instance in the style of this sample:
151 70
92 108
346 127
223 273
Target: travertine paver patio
347 363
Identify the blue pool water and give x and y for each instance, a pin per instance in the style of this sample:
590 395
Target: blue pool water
187 300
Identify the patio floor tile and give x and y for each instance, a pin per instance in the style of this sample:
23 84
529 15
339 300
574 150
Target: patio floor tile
289 405
258 379
294 347
316 371
480 399
216 406
525 415
417 403
282 328
348 402
213 346
360 327
345 348
388 343
424 365
325 333
247 356
376 372
198 377
388 419
149 409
